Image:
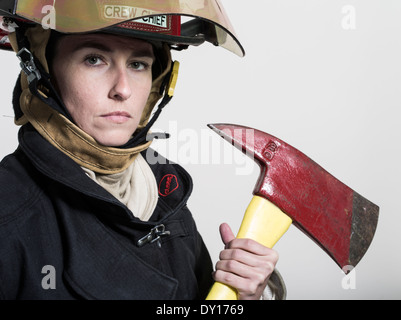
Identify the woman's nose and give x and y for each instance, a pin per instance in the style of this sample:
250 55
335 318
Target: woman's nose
121 89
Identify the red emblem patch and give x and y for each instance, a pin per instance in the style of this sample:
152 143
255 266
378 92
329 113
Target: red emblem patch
168 184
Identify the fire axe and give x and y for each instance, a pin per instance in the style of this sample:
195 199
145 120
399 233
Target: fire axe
293 189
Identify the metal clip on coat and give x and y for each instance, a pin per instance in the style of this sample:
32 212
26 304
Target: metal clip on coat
154 235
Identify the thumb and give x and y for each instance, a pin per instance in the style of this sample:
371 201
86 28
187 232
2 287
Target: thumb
226 233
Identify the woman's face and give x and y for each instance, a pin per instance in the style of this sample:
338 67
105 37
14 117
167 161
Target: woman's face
104 82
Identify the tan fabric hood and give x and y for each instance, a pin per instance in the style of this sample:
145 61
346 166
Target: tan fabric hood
64 134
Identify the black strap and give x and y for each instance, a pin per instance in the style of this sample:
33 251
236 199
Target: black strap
53 99
37 75
142 136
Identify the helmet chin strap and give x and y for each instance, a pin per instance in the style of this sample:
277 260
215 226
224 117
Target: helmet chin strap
35 73
142 135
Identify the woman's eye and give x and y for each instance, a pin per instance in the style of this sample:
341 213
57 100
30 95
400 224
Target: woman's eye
138 65
93 60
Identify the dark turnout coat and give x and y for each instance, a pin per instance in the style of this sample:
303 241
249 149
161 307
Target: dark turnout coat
62 236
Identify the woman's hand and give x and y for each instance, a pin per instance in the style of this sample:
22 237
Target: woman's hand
244 264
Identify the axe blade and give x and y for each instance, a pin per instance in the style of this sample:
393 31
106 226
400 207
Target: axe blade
337 218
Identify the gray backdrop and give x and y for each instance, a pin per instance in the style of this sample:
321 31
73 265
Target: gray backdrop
324 76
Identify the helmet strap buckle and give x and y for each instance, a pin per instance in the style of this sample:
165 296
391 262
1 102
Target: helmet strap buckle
28 65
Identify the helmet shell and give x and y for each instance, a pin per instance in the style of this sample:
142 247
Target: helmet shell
178 22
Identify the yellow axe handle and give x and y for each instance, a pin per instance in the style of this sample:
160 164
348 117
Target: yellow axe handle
263 222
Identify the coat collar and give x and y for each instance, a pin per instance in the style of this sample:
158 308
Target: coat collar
174 183
56 165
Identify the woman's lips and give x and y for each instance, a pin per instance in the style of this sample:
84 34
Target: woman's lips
117 116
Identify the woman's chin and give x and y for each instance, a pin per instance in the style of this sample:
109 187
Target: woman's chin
113 141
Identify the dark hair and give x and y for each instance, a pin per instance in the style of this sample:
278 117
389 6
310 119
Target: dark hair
51 48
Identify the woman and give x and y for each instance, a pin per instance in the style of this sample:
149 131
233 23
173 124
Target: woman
85 215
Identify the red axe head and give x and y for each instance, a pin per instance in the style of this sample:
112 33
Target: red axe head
337 218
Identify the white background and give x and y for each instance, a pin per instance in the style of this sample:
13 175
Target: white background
331 92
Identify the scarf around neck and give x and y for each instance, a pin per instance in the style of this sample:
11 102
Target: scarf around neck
136 187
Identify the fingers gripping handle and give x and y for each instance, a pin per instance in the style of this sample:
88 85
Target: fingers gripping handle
262 222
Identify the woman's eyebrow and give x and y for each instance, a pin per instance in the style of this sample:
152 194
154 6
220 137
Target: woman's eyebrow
143 53
91 44
140 52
